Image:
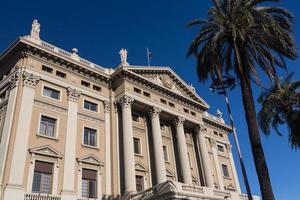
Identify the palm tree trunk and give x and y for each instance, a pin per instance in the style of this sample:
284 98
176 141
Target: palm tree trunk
257 150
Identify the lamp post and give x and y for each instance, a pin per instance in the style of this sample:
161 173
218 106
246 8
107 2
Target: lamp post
220 85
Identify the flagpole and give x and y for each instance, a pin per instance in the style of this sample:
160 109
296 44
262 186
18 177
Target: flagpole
148 56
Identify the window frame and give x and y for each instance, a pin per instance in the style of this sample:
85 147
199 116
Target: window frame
143 181
140 146
44 67
93 102
53 88
96 183
61 74
227 169
96 140
167 153
52 186
56 132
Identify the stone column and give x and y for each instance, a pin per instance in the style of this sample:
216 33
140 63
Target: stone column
209 181
217 163
235 176
8 120
183 152
15 188
68 191
157 146
107 148
128 151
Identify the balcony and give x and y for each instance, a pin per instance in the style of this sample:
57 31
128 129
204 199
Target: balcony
32 196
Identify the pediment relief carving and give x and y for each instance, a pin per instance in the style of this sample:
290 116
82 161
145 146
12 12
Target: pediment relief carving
46 151
140 167
91 159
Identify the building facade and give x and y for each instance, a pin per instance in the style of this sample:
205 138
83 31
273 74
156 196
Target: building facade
73 130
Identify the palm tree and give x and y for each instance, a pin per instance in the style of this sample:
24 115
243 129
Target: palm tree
241 36
281 105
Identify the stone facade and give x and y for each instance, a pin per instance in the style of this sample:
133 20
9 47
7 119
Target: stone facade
74 130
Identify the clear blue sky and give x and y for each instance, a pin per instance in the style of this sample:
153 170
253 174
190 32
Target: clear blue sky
99 29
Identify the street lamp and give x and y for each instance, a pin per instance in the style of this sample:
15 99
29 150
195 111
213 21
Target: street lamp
220 85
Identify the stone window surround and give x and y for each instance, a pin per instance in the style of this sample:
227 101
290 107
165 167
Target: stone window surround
140 146
97 137
54 88
92 101
56 133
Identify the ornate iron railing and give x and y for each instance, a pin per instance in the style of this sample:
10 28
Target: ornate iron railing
32 196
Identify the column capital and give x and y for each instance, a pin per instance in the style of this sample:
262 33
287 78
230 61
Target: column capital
30 79
200 128
126 101
73 94
15 78
155 112
106 106
179 121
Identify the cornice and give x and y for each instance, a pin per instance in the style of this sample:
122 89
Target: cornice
216 124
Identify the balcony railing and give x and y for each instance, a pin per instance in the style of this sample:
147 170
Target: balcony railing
32 196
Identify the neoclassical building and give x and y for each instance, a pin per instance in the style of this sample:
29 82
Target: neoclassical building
73 130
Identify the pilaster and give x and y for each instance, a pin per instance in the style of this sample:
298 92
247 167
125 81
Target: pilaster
15 187
233 168
108 158
217 164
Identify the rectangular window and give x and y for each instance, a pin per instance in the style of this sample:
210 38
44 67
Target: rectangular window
135 118
172 105
97 88
90 106
47 126
139 183
225 170
90 137
86 84
163 101
165 150
137 145
146 94
47 69
186 110
52 93
42 177
221 135
216 133
137 90
220 148
193 113
61 74
89 183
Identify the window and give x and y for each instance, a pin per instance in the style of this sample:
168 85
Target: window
137 145
89 183
220 148
165 150
90 137
47 69
146 94
42 177
190 160
216 133
163 101
52 93
137 90
47 126
172 105
61 74
139 183
97 88
186 110
221 135
193 113
225 170
90 106
135 118
86 84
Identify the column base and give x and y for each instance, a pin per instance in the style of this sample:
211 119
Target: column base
68 195
14 192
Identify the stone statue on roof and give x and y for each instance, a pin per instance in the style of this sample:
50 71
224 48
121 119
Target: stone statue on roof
35 30
123 54
219 114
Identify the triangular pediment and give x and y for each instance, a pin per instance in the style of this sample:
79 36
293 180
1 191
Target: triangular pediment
230 187
169 173
140 167
46 151
90 159
168 79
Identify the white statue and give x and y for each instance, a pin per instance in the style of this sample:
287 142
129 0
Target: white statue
192 87
219 114
35 30
123 55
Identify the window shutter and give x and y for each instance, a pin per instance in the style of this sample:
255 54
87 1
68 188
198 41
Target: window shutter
43 167
89 174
